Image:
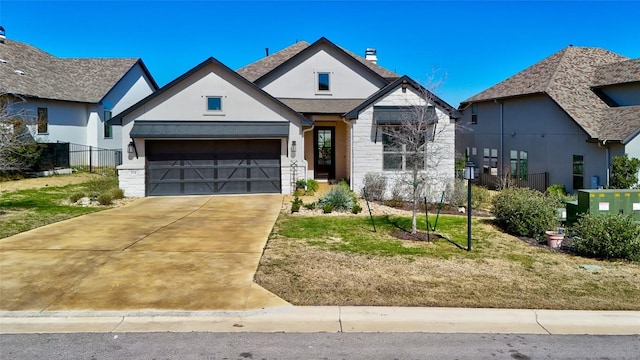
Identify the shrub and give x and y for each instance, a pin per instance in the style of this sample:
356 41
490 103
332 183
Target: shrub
105 199
480 197
301 184
295 204
312 185
327 209
609 236
338 197
116 193
375 185
356 209
524 212
310 206
101 185
624 172
76 196
309 192
345 184
556 189
455 192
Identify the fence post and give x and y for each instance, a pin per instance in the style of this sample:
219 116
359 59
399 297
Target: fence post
90 159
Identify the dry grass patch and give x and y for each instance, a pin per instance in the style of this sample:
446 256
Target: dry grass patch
339 264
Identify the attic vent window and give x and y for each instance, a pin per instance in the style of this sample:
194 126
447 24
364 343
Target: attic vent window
19 72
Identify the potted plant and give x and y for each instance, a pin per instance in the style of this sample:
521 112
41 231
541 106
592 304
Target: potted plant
555 238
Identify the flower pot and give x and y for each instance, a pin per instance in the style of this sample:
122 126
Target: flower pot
554 239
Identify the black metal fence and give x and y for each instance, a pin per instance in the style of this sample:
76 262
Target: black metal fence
539 181
93 159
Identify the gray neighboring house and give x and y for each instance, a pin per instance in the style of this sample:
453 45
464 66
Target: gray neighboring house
563 118
72 98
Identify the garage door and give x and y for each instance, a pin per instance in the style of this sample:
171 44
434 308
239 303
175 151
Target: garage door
199 167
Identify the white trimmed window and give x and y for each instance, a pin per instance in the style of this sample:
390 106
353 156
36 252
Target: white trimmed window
324 79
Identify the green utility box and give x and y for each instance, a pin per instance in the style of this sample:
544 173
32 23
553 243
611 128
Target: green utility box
611 201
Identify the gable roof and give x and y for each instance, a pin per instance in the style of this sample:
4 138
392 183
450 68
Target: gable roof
254 71
443 105
30 72
118 118
567 77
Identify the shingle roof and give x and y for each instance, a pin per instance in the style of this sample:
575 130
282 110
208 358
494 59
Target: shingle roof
617 73
50 77
256 70
622 123
322 106
567 77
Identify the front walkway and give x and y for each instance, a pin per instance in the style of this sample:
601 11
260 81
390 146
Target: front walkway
164 253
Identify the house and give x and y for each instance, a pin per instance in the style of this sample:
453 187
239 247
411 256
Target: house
307 111
564 118
71 99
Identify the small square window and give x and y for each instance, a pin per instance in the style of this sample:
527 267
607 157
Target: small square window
214 103
323 81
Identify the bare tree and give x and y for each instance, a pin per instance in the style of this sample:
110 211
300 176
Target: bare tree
417 148
18 148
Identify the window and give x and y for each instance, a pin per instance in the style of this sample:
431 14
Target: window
578 172
474 114
395 155
214 103
108 128
490 161
323 81
43 121
519 164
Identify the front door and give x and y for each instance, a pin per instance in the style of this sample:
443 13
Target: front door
324 146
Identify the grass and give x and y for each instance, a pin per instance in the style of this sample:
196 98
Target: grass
31 208
326 260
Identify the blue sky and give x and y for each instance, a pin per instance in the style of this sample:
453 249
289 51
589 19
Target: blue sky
473 45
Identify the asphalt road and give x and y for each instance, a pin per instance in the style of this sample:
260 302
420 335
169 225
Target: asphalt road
92 346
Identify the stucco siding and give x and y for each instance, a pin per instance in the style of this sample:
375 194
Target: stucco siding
299 79
67 120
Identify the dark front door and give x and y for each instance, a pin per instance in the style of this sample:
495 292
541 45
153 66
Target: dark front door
324 157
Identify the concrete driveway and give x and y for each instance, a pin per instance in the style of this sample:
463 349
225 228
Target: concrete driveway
163 253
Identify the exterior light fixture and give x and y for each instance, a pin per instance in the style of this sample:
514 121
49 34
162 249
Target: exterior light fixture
294 147
131 148
469 169
404 86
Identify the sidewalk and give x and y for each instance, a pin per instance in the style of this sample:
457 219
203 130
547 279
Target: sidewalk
331 319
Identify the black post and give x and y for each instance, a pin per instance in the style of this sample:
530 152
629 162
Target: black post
469 215
90 159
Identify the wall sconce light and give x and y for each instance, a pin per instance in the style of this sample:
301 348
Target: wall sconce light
404 86
131 148
294 147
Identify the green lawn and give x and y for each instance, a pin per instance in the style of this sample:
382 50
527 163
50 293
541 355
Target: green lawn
334 260
24 210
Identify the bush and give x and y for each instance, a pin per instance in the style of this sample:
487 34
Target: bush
339 198
309 192
312 185
327 209
301 184
375 185
105 199
456 193
480 197
525 212
624 172
116 193
76 196
295 204
556 189
310 206
101 185
608 236
356 209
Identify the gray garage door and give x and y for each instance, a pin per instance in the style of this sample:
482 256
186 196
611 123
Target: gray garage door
199 167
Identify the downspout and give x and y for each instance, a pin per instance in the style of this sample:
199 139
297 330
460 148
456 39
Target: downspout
350 124
606 148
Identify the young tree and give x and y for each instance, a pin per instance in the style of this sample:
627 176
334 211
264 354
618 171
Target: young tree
18 148
420 146
624 172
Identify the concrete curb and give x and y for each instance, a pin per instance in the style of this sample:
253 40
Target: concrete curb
331 319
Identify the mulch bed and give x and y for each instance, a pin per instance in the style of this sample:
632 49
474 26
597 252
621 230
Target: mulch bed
418 236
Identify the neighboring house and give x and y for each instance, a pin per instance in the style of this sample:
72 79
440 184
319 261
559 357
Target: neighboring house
71 98
564 117
308 111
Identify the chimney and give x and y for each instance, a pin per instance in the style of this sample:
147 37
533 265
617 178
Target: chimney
2 35
370 54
